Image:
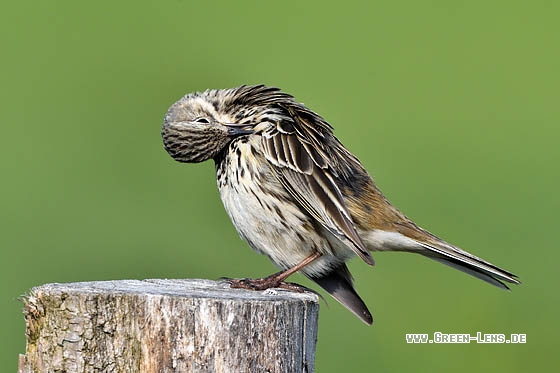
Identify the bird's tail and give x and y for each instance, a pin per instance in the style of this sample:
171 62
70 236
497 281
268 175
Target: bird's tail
468 263
338 283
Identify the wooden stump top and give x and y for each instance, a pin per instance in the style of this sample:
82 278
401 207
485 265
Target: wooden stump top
166 326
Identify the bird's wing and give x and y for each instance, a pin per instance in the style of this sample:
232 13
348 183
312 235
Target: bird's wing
295 147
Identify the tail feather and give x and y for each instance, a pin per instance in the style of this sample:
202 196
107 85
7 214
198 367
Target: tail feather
338 283
470 264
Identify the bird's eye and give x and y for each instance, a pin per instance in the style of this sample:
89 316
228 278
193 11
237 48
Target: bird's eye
202 120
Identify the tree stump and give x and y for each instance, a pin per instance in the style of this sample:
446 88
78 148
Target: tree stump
168 326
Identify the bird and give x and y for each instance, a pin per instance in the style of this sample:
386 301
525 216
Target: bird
295 194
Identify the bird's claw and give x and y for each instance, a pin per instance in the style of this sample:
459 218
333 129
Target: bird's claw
263 284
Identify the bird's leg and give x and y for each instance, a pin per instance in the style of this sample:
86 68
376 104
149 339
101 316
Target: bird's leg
275 280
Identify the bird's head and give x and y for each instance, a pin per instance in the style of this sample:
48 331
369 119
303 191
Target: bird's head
196 128
201 124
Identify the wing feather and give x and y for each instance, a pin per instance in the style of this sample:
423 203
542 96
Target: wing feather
279 150
303 169
318 158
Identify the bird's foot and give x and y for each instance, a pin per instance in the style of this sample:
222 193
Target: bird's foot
264 284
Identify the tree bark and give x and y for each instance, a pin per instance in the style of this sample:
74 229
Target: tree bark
168 326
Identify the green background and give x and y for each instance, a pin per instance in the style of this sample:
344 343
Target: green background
452 105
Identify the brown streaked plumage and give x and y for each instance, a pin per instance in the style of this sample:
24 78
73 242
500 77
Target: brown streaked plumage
295 194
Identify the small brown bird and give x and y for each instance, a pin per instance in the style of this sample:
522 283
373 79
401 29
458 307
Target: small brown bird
296 194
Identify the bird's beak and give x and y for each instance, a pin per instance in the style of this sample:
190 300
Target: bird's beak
234 129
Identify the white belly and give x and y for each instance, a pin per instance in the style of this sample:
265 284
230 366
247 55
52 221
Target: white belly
273 224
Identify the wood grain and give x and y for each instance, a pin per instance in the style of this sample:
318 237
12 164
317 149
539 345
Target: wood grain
168 326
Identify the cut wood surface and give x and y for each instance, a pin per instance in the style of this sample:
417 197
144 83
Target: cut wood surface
168 326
